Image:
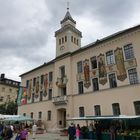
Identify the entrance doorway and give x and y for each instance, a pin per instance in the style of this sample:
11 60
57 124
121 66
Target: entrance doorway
61 117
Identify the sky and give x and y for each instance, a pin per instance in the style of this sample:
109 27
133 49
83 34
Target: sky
27 28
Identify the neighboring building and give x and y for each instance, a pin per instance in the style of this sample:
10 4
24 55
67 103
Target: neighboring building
101 78
8 89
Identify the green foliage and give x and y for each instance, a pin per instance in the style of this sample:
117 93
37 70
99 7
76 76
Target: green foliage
9 108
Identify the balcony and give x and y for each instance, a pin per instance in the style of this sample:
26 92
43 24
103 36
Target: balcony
61 82
60 100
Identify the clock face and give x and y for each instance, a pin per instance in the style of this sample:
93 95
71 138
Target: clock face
62 48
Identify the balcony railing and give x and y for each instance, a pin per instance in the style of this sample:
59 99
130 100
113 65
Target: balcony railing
60 100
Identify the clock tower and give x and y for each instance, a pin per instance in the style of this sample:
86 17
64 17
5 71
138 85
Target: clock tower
68 38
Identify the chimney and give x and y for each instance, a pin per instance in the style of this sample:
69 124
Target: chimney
2 76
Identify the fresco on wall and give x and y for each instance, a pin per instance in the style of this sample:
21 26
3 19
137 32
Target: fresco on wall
37 87
29 90
86 73
102 69
121 71
45 84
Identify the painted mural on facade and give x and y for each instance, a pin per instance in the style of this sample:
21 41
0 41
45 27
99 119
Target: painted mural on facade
102 69
121 71
86 73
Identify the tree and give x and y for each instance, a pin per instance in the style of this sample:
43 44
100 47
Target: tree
9 108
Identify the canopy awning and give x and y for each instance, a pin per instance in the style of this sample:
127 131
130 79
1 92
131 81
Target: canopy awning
17 118
103 117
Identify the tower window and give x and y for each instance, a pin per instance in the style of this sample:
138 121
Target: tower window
74 40
77 42
65 38
59 41
71 38
62 40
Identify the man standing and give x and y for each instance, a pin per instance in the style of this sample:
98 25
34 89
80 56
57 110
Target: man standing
34 129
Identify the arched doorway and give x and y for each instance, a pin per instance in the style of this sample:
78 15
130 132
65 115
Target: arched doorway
61 118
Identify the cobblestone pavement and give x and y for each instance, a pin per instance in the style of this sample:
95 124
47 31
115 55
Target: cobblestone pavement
47 136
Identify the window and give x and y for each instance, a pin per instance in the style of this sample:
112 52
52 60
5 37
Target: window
50 76
49 115
59 41
33 97
81 112
109 57
32 115
27 83
116 109
137 107
93 62
24 114
10 90
62 71
42 79
34 81
128 50
79 67
50 94
3 89
63 91
97 110
77 42
74 40
41 96
71 38
62 40
40 115
95 84
112 81
80 87
133 77
65 38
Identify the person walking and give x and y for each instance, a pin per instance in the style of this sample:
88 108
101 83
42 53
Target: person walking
24 134
90 129
71 132
77 132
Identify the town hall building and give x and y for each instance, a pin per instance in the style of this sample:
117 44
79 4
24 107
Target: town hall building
101 78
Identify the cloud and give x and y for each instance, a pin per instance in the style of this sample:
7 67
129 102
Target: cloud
27 27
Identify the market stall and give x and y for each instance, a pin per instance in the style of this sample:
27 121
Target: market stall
128 127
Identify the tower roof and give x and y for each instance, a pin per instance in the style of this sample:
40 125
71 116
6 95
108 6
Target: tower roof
68 17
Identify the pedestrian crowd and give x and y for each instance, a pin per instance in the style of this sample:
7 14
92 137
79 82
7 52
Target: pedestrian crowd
20 130
91 132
